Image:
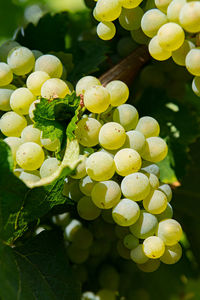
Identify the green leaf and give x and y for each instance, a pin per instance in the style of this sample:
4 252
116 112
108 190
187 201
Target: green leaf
37 270
167 174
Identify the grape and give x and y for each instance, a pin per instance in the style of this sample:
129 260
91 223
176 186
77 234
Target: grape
138 256
150 266
71 189
71 230
153 247
96 99
155 149
135 186
85 83
108 10
139 37
152 76
5 49
88 295
118 91
150 168
155 202
70 86
126 115
37 53
20 100
192 61
170 231
165 188
81 168
122 250
77 255
125 46
172 254
109 277
157 51
180 54
171 36
83 238
130 241
6 75
145 226
49 166
127 161
31 134
106 30
107 216
148 126
81 274
153 180
100 166
30 177
5 93
173 10
54 88
12 124
87 210
86 185
126 212
32 108
62 219
50 64
13 143
21 60
130 19
130 3
166 214
162 4
195 86
95 15
135 140
121 232
100 248
189 16
105 294
30 156
152 20
106 194
51 145
112 136
87 132
35 81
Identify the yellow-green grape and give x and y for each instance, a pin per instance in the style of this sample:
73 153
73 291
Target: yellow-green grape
130 19
106 30
150 266
139 37
12 124
106 215
35 81
127 161
126 115
31 134
155 202
85 83
172 254
20 100
152 20
50 64
130 3
95 15
83 238
155 149
88 295
189 16
49 166
106 294
108 10
5 93
165 188
106 194
148 126
135 140
180 54
54 88
81 168
121 232
126 212
156 51
171 36
30 176
112 136
50 145
138 256
145 226
77 255
162 4
21 60
13 143
62 219
6 75
130 241
192 61
166 214
153 247
71 189
153 180
30 156
122 250
150 168
169 231
100 166
196 86
87 210
109 277
71 229
87 132
5 49
135 186
86 185
173 10
37 53
118 91
32 108
96 99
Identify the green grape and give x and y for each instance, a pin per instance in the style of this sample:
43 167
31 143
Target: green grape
5 49
153 180
100 166
51 145
108 10
106 294
156 51
106 215
108 277
86 83
180 54
171 36
30 177
32 108
31 134
162 4
106 30
30 156
54 88
126 212
50 64
153 247
127 161
71 189
62 219
165 188
130 241
155 149
21 60
112 136
189 16
12 124
192 61
172 254
35 81
148 126
87 132
6 75
173 10
130 19
155 202
81 168
96 99
125 46
77 255
135 186
87 210
81 273
166 214
95 15
71 230
122 250
20 100
37 53
150 266
152 20
100 248
13 143
170 231
135 140
121 232
145 226
152 76
83 238
5 93
130 3
195 86
126 115
118 91
138 256
150 168
86 185
49 166
139 37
